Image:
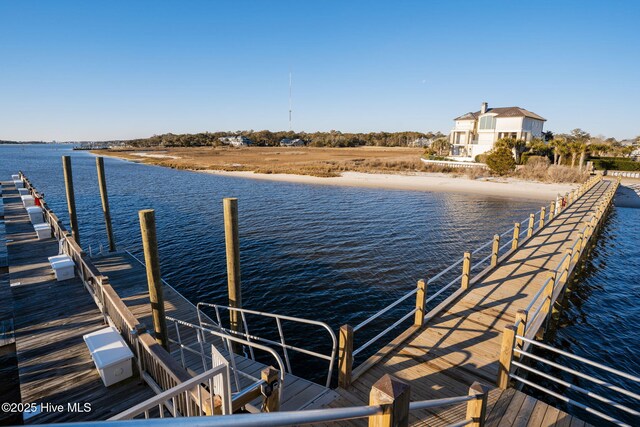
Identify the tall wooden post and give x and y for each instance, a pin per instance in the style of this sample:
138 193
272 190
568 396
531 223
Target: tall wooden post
506 356
421 296
102 181
345 356
495 249
71 198
552 210
152 263
394 396
466 270
477 408
516 236
543 214
532 222
232 241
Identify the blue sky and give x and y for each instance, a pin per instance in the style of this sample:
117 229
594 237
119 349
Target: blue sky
89 70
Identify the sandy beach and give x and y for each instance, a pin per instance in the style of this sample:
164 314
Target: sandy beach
439 182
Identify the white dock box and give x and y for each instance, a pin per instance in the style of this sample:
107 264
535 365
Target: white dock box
23 191
15 177
63 267
28 201
43 230
35 215
18 183
110 354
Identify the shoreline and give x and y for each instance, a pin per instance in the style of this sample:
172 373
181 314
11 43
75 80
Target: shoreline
504 188
420 181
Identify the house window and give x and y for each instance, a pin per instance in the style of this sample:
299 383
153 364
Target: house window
487 122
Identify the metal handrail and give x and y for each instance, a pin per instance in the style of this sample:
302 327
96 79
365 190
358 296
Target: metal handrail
386 331
161 399
582 359
282 343
227 337
579 374
579 389
568 400
384 310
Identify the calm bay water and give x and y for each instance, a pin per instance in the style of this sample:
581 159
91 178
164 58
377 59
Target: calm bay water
335 254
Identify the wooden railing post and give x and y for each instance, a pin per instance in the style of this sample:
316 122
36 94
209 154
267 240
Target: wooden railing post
547 305
532 222
421 296
477 408
552 210
466 270
345 356
232 242
495 249
152 263
102 183
543 214
271 397
71 198
521 329
506 356
579 246
516 236
394 397
566 266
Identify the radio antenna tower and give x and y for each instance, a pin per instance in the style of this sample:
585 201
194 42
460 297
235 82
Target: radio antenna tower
290 128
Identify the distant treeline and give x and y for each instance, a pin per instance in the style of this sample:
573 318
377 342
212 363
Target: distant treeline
267 138
2 141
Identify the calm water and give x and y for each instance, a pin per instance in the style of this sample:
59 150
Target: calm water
335 254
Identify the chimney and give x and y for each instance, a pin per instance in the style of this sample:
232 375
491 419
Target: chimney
483 108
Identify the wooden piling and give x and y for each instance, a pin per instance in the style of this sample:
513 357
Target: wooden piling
466 271
477 408
495 250
71 199
516 236
345 356
102 182
393 395
152 263
232 241
421 296
506 356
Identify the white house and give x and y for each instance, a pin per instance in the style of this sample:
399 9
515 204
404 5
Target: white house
236 141
476 133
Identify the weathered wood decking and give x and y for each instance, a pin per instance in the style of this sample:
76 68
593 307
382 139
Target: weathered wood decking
462 345
50 319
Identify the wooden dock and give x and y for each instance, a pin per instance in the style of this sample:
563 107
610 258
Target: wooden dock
462 345
50 319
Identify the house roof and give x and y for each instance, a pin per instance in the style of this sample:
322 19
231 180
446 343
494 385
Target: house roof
503 112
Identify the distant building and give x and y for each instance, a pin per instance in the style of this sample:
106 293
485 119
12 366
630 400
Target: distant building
236 141
476 133
286 142
422 142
